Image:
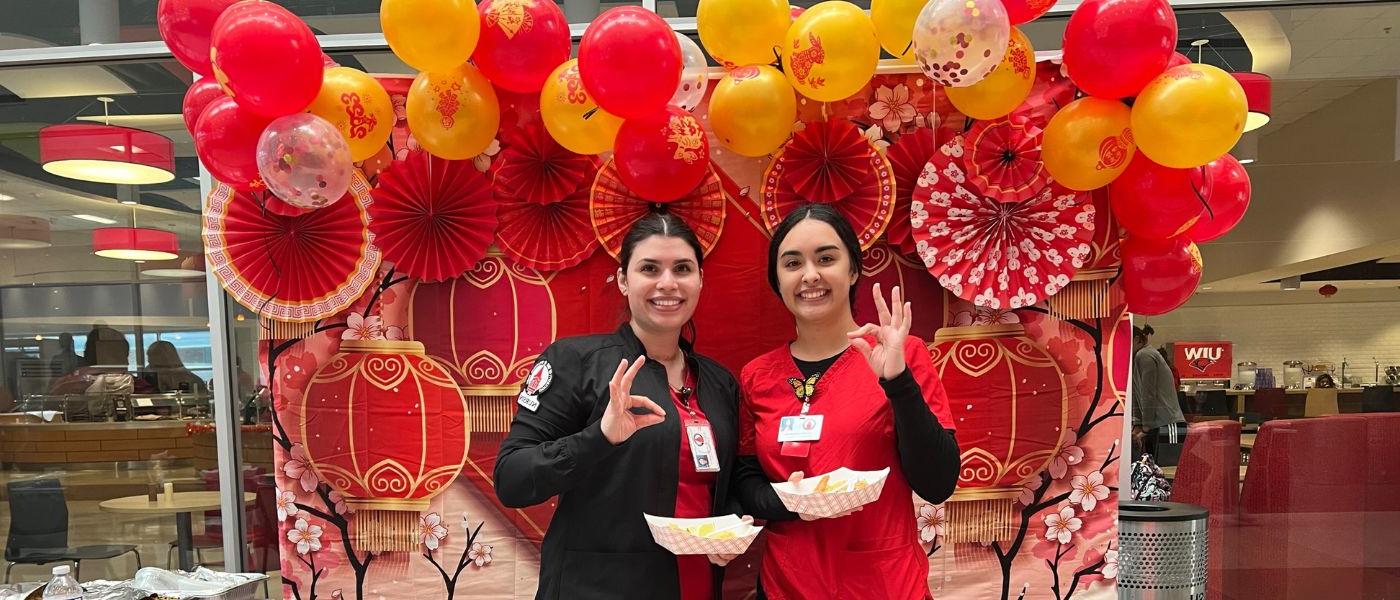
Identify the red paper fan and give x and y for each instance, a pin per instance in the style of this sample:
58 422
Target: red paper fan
291 268
613 209
827 161
1004 159
535 168
997 254
907 159
277 205
868 207
433 218
546 237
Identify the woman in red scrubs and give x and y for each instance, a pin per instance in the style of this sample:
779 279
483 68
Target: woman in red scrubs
879 404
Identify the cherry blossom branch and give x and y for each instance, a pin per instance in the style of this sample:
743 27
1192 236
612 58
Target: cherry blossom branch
1060 551
1094 569
450 582
296 591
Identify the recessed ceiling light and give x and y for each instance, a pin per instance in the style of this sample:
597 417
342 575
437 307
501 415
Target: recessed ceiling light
95 219
1245 161
1207 288
6 197
1199 43
130 202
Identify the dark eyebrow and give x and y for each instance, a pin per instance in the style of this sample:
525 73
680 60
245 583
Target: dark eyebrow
828 247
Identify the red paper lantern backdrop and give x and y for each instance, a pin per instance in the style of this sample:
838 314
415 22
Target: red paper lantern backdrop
1011 404
392 431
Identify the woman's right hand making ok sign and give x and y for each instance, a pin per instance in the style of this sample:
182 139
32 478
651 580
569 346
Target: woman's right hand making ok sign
619 419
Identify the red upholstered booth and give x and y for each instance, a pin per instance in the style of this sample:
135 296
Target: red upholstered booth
1208 476
1303 510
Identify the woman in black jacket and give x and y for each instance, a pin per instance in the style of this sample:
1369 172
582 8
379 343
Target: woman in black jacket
622 424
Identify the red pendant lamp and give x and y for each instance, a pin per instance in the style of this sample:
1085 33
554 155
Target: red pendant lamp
135 243
1259 96
105 153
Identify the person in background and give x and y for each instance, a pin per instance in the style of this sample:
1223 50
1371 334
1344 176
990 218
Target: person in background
626 423
108 377
171 374
1157 416
67 360
873 400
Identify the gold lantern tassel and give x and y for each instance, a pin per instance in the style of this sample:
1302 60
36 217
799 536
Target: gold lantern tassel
271 329
385 530
981 515
492 407
1089 295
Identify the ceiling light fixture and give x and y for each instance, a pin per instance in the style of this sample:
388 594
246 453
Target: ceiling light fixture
95 219
188 265
23 233
1259 96
135 243
6 197
106 153
1291 283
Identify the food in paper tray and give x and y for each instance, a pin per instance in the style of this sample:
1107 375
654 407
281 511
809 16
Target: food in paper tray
834 493
711 535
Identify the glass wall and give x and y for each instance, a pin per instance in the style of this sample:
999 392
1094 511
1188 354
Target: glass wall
106 363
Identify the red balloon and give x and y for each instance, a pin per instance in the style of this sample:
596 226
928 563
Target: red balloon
266 58
521 43
1159 275
1114 47
1177 60
185 25
1157 202
661 159
630 62
226 139
1228 200
1025 11
197 98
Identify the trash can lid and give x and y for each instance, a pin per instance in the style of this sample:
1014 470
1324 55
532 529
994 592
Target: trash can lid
1158 512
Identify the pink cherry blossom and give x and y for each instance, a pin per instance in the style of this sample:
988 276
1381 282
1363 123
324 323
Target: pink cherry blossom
360 327
286 505
1061 525
1088 490
1069 455
932 520
479 554
876 136
482 161
1110 565
306 536
298 467
431 530
393 332
338 500
892 107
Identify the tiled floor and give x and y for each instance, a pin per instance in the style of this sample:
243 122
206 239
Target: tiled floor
87 524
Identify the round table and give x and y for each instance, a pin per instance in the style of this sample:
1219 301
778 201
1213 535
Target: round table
180 504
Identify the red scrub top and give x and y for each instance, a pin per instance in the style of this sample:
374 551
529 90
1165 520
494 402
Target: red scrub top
693 495
875 552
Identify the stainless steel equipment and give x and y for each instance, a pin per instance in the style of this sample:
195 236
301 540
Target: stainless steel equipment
1162 551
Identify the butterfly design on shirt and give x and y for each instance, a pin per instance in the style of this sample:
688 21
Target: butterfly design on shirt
804 388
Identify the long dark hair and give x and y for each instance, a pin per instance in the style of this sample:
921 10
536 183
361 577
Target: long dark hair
665 225
826 214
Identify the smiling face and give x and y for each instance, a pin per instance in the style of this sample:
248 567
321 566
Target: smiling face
815 273
662 282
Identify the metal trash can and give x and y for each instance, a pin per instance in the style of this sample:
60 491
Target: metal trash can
1162 551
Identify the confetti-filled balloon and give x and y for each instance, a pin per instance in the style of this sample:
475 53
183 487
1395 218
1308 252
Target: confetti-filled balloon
304 160
958 42
1002 90
695 75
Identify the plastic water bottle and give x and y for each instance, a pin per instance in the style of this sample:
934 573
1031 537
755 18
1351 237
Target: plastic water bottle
63 586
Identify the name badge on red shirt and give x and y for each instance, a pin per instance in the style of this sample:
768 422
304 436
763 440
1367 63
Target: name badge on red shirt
702 445
800 428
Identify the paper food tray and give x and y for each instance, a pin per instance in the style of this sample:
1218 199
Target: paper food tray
677 535
805 499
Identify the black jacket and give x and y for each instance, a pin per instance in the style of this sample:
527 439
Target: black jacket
598 545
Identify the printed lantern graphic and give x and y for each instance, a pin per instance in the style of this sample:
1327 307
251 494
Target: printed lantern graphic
489 326
393 432
1011 402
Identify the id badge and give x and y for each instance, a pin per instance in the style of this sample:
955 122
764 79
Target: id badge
800 428
702 446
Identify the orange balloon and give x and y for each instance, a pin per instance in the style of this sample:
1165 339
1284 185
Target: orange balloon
358 107
1088 143
1002 90
453 114
752 110
572 117
1189 115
